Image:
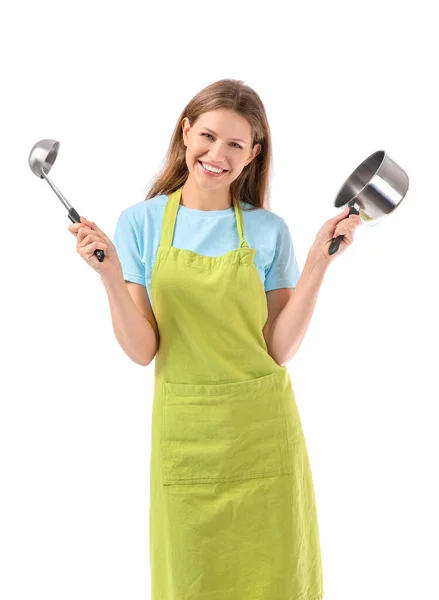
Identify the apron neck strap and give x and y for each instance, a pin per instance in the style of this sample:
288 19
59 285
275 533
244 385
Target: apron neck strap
239 222
170 216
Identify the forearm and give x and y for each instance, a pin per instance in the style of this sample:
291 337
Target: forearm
291 324
133 331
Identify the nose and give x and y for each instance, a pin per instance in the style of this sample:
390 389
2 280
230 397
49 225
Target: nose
217 159
216 155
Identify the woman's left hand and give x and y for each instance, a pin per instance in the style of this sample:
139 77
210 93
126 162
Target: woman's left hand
341 224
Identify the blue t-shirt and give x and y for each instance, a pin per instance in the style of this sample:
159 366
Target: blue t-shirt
209 232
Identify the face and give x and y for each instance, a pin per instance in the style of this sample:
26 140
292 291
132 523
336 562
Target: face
228 148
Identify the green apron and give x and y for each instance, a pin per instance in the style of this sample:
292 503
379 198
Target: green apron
232 505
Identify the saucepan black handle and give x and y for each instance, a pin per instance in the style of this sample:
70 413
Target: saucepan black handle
336 241
75 218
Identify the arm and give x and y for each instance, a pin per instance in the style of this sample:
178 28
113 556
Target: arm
133 320
291 323
289 326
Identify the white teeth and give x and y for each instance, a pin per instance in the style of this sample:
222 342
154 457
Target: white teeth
209 168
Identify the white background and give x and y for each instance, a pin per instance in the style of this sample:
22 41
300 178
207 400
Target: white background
339 80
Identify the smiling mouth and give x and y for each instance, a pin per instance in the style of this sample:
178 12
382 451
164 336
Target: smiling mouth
223 171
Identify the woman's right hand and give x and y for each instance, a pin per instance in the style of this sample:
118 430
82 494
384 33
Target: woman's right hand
90 238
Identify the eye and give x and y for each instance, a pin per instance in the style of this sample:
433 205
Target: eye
209 134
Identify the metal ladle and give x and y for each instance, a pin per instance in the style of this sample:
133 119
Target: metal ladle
41 159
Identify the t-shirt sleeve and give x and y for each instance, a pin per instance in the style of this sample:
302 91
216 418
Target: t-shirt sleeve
128 243
284 270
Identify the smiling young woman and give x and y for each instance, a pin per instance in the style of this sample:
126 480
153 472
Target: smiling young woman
232 505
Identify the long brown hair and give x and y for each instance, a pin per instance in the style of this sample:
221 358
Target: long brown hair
252 185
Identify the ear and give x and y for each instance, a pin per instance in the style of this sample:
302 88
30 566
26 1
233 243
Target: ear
185 127
255 151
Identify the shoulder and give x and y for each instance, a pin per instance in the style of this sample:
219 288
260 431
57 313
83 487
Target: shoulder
137 214
263 220
261 214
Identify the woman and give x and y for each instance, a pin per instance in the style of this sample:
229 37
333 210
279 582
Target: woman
204 279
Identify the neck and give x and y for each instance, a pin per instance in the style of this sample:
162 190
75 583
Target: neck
194 196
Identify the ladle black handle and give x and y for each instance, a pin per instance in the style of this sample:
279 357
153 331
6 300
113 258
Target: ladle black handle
336 241
75 218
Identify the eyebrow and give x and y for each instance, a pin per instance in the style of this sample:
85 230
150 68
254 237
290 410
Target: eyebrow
232 139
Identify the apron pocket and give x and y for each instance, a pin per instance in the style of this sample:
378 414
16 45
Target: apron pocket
223 432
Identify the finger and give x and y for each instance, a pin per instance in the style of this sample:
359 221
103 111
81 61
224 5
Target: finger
348 238
83 232
88 239
346 232
73 228
90 248
347 226
352 226
340 216
90 224
93 226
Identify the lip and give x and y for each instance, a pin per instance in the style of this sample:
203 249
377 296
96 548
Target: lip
212 165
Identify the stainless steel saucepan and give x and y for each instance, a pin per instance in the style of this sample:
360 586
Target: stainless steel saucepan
41 159
373 190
